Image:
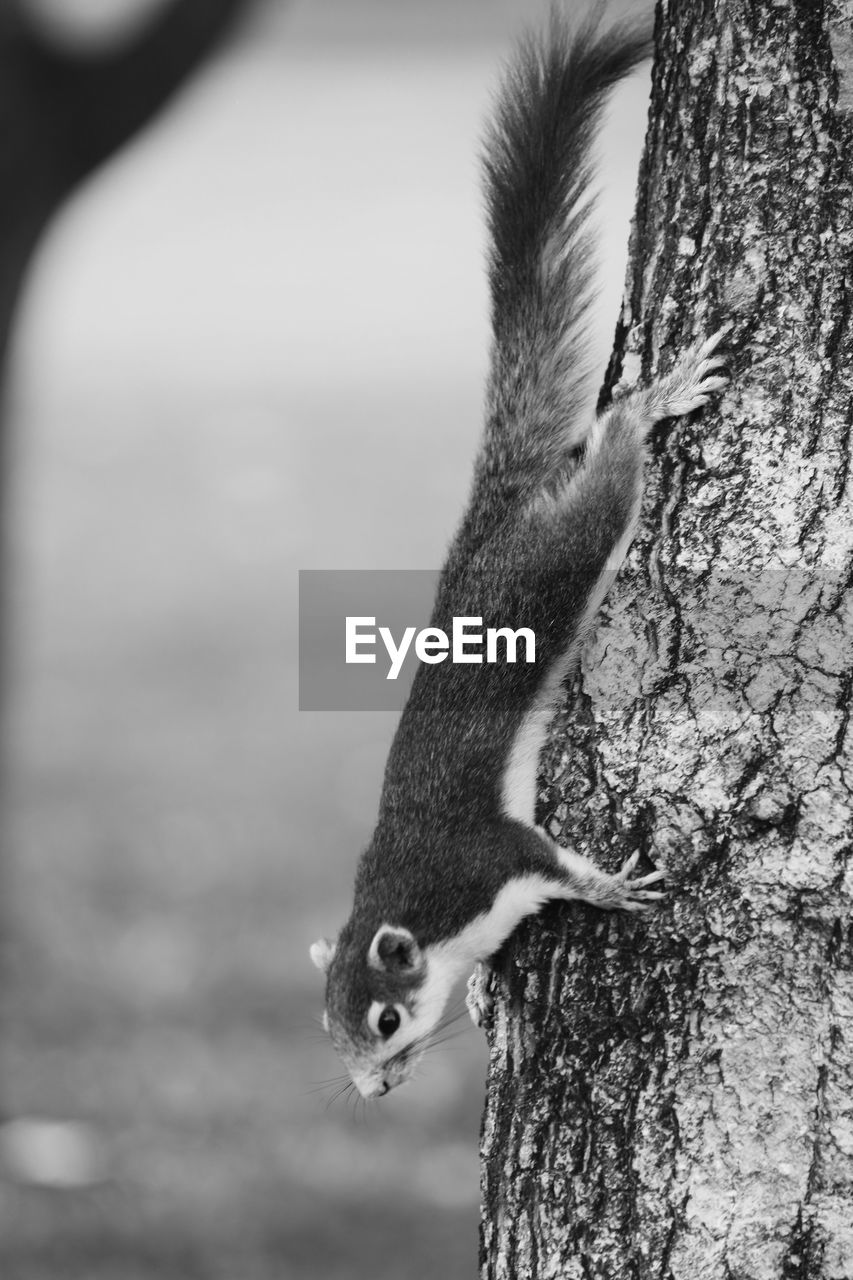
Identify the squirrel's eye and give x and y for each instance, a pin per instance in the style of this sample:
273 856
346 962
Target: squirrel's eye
384 1019
389 1021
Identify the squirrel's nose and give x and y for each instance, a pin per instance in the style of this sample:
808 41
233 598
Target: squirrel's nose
384 1089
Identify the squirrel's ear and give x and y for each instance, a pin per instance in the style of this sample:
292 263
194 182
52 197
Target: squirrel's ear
322 953
394 949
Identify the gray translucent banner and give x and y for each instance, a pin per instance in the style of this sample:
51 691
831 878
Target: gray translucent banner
395 599
729 622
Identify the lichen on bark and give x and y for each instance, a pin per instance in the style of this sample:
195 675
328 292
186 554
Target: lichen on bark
672 1096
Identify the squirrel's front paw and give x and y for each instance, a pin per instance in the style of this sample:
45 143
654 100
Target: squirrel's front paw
478 997
633 895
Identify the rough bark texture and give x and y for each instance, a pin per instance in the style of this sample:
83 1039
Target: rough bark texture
672 1096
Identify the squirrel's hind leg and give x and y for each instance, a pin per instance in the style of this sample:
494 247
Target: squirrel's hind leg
688 386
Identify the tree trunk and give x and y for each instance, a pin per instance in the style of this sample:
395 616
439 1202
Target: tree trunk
671 1096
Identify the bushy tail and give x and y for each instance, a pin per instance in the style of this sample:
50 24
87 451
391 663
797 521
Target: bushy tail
539 177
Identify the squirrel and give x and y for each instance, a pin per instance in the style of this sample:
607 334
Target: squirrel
457 859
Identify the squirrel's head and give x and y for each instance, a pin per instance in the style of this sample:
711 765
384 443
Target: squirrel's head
385 995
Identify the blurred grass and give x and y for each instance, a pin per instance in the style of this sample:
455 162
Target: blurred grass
163 888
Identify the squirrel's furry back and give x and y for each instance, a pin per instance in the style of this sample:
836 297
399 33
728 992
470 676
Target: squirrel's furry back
458 859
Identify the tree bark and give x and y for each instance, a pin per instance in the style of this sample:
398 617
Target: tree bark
671 1097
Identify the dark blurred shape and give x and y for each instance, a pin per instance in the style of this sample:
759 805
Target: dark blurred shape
65 108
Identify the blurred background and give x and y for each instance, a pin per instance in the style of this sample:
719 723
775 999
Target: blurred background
254 342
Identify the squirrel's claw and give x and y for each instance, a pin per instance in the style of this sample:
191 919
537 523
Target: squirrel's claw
632 895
